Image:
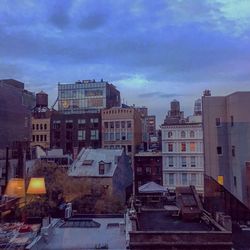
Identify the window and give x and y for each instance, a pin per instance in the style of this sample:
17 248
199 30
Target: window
123 124
37 126
41 126
41 137
193 179
33 138
129 136
111 124
171 179
112 137
233 151
192 146
183 134
193 161
170 134
101 168
106 125
117 136
45 137
184 178
170 161
129 124
106 136
123 136
81 123
94 120
235 181
117 124
148 170
232 121
56 124
45 126
183 161
129 148
183 147
219 150
139 170
33 126
170 147
69 124
37 137
69 135
191 134
94 135
217 122
81 135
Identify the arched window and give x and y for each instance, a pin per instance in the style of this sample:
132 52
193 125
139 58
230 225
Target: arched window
183 134
192 134
170 134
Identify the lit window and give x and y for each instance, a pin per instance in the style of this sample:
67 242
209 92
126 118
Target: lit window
81 135
192 146
183 147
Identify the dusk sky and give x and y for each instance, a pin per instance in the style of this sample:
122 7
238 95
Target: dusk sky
154 51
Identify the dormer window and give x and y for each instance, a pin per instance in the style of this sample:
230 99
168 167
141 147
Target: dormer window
101 168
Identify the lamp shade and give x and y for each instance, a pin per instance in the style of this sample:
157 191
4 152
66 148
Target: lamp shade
36 186
15 188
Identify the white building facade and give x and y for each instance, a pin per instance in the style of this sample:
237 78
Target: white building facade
182 156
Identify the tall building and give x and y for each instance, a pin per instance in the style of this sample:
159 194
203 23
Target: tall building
15 112
72 132
175 115
182 153
121 128
226 124
41 122
87 96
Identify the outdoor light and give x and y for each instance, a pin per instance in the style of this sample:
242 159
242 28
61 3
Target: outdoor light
15 188
36 186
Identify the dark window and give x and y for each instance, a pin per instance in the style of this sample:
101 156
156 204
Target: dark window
235 181
111 124
101 168
217 122
148 170
123 124
233 151
45 126
69 135
129 148
139 170
33 126
69 124
232 121
33 138
57 135
41 126
117 124
170 147
37 138
41 137
129 124
106 124
37 126
219 150
45 137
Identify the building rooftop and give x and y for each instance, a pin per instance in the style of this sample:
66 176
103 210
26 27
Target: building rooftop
87 233
162 221
149 153
87 162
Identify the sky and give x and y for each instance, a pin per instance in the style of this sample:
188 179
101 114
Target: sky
154 51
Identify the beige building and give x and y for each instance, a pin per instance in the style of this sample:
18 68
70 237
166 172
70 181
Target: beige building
41 132
121 128
226 124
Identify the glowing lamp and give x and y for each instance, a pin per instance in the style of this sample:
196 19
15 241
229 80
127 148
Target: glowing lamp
15 188
36 186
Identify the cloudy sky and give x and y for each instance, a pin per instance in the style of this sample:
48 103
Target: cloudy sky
154 51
